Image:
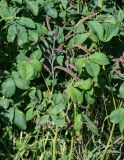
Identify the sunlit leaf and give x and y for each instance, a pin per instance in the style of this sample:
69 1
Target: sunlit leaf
11 33
29 114
99 58
33 35
28 22
117 115
32 6
22 35
92 68
121 90
78 122
84 84
8 87
75 95
26 70
19 81
60 122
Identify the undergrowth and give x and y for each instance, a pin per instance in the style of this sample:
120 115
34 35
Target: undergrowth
62 79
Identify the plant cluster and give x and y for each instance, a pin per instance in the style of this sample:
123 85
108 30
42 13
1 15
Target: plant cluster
62 79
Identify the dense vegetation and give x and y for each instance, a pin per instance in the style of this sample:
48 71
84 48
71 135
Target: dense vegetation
62 79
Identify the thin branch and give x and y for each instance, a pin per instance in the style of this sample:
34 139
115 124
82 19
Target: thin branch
82 48
48 22
72 74
86 18
47 69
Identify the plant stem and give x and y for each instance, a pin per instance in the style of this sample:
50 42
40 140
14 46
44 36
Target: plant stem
75 112
54 144
109 141
71 151
78 6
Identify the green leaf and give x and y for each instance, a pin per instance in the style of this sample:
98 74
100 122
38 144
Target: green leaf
60 122
3 3
5 13
51 12
121 90
56 109
93 37
75 95
117 115
19 119
19 81
44 119
80 63
9 114
98 3
40 2
59 104
18 1
79 28
32 6
70 43
99 58
32 95
121 125
37 66
60 60
33 35
58 98
106 18
27 22
62 14
8 88
37 54
11 33
84 84
110 30
64 3
39 94
78 39
22 35
29 114
60 36
25 70
92 68
90 124
41 29
4 103
97 28
105 31
90 100
78 122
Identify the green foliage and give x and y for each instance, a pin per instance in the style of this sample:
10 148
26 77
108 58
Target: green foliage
99 58
105 31
8 87
121 90
78 122
91 125
117 117
84 84
61 76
